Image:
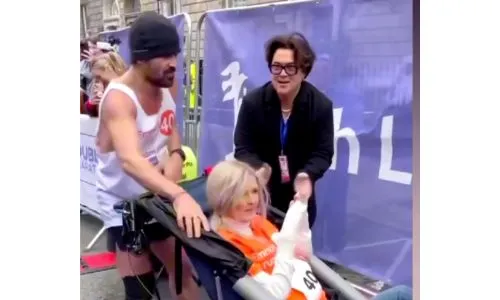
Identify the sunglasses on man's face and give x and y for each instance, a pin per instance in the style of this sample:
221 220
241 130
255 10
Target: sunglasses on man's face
277 69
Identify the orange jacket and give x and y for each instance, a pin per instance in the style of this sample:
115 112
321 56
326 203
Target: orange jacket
261 250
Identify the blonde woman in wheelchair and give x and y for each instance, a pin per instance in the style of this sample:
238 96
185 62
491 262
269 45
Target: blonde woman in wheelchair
239 200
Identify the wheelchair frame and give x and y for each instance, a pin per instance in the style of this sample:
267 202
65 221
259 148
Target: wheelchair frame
162 211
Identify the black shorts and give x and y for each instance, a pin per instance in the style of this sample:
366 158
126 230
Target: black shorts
154 232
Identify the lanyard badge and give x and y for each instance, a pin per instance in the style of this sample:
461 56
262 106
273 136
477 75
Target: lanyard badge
283 160
285 175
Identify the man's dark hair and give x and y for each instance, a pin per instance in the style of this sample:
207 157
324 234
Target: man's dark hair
151 36
304 55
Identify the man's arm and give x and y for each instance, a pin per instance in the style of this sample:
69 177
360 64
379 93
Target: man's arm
322 154
244 136
171 163
119 119
175 140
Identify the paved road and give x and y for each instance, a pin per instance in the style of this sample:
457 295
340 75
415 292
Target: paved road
104 285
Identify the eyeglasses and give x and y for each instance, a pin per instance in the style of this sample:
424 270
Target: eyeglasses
290 69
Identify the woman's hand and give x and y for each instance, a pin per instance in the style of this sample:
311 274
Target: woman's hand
303 187
86 55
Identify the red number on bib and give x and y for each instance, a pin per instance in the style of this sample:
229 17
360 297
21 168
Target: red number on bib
167 122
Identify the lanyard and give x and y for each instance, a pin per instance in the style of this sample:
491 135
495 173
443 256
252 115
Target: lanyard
283 133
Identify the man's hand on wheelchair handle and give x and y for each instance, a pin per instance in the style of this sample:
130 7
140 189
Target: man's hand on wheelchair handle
190 216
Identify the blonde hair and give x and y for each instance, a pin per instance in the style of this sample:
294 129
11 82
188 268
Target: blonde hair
226 183
110 61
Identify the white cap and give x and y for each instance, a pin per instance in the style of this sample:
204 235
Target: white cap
104 46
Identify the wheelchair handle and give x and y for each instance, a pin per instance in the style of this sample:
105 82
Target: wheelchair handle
118 207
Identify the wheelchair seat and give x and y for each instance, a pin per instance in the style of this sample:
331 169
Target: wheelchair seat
221 267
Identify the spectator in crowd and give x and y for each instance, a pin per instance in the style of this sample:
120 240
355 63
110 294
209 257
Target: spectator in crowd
87 49
92 105
85 74
105 68
285 127
90 49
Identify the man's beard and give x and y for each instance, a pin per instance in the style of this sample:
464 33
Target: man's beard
162 82
165 81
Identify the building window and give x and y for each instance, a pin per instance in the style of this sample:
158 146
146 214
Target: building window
132 10
132 6
111 9
166 7
238 3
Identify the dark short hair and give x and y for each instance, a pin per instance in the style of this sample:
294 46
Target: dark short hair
304 55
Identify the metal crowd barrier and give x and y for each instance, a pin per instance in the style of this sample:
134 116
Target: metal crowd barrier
189 132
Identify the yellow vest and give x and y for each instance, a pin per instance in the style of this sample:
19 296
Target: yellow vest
190 167
192 92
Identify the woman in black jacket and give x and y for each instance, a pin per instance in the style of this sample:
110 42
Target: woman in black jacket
285 127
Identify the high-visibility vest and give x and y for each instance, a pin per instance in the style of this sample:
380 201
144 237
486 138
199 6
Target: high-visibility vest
192 92
190 166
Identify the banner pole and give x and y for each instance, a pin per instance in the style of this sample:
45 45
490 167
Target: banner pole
197 82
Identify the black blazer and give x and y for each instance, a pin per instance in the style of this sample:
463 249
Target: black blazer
308 145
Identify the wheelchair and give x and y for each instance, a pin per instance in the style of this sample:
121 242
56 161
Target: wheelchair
222 269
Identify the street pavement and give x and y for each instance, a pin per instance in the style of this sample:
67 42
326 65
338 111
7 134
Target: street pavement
105 285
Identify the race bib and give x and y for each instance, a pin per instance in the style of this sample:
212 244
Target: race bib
167 122
304 281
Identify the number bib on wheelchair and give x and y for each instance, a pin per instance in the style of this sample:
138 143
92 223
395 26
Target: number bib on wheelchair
305 282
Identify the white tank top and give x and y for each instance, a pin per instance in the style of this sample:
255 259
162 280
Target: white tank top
113 184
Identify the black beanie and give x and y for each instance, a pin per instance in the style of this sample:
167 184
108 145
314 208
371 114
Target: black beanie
152 36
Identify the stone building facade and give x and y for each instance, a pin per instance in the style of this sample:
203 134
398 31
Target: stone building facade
102 15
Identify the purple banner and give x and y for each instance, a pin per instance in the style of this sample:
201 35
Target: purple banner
365 66
122 37
124 51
